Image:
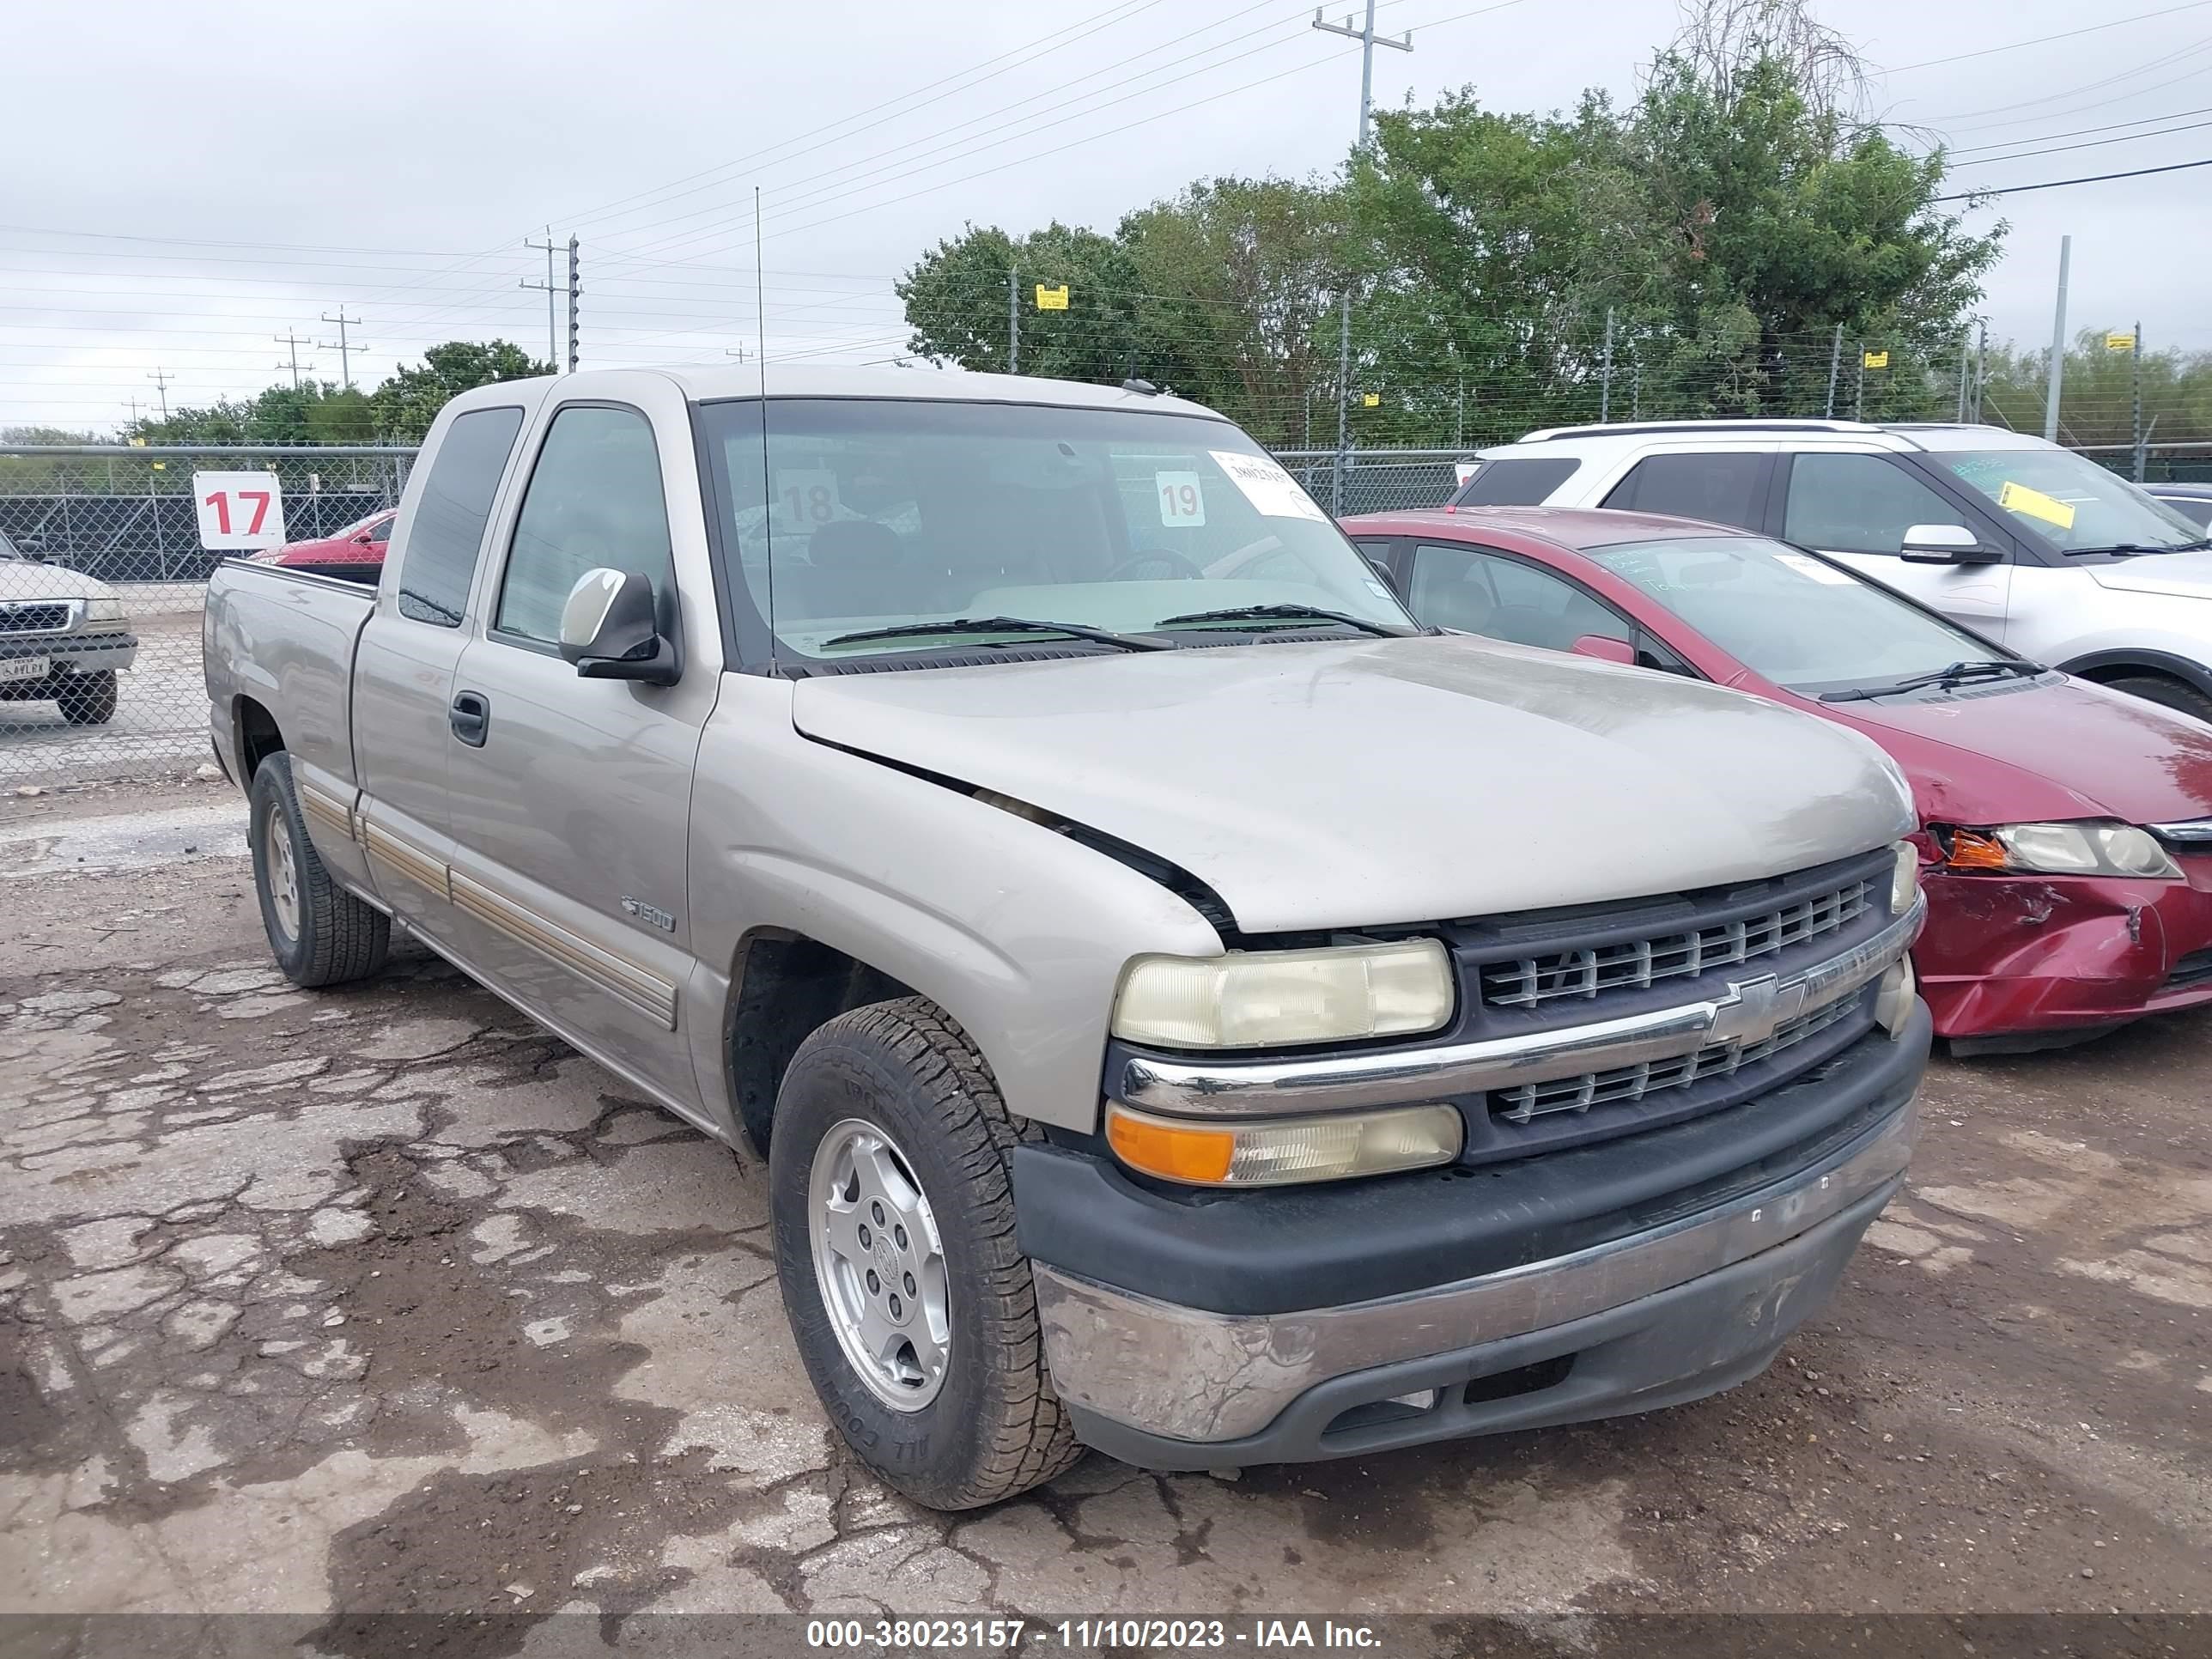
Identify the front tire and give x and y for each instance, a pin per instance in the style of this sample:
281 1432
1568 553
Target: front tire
87 699
2173 693
888 1161
320 933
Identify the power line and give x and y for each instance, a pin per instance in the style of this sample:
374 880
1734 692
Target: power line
2040 40
2055 184
2092 143
2077 132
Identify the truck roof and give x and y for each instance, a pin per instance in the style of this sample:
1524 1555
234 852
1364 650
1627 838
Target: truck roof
709 382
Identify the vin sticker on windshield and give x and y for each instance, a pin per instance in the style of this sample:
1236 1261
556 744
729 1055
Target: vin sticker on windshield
1266 486
1810 567
1182 499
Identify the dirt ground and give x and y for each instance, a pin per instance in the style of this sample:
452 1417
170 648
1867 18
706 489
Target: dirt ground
381 1300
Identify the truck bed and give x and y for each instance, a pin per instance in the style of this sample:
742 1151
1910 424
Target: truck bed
285 638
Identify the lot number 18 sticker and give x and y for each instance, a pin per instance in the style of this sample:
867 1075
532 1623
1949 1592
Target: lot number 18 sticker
1182 499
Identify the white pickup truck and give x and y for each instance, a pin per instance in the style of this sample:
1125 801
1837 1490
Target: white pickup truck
1186 1006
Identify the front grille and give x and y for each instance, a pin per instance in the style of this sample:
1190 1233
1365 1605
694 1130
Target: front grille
1634 1083
40 618
1530 982
2195 969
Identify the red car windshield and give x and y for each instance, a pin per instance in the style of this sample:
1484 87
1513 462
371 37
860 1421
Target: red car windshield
1802 623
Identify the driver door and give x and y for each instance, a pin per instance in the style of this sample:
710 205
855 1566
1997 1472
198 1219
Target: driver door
1857 506
571 797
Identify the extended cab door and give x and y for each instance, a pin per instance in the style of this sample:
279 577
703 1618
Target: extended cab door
571 801
403 678
1857 506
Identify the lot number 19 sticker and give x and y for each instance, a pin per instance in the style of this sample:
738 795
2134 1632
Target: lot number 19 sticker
1182 499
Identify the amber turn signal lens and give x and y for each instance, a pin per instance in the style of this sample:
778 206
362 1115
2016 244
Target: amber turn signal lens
1971 850
1173 1150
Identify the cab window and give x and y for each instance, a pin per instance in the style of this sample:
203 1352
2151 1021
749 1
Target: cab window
1486 593
594 500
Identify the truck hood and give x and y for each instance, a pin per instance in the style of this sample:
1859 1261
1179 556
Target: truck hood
1368 782
25 578
2177 575
2069 750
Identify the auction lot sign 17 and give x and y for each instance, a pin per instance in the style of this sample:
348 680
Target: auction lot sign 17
239 510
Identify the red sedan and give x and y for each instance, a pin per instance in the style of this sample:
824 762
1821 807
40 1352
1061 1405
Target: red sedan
356 552
2066 838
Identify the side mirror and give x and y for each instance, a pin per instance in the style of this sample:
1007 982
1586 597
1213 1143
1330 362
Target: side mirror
1383 573
612 629
1945 544
1604 650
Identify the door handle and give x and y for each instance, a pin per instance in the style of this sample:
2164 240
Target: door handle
471 717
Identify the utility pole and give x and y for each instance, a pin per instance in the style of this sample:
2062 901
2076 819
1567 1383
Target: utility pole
1605 380
1981 365
1858 400
2057 345
552 287
1368 41
160 378
346 347
1013 321
1965 356
292 343
1835 362
738 352
575 296
2135 400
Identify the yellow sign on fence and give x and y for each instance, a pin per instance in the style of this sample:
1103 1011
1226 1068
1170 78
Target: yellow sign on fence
1875 359
2119 343
1052 299
1371 400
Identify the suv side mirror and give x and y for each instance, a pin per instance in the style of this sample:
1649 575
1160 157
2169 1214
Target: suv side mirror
1383 573
1945 544
611 630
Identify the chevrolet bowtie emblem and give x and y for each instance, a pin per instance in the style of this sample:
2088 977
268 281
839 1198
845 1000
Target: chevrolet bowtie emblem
1754 1008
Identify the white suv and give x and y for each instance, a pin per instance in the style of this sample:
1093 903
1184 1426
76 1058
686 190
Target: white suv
2063 560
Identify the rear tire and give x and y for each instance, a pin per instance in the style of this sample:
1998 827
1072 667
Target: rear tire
320 933
2174 694
979 1421
87 699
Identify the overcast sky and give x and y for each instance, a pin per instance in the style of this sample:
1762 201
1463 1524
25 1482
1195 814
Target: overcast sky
185 187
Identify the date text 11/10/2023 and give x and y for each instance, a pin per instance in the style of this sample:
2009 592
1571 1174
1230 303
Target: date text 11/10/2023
1011 1635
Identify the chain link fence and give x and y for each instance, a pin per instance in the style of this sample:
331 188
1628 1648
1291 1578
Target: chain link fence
102 576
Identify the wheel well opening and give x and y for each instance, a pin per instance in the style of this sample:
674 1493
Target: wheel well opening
258 737
788 986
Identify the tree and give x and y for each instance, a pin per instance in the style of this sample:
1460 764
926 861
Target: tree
957 297
405 405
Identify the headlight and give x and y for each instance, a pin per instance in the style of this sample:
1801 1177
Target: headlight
1267 999
103 610
1278 1151
2060 849
1904 878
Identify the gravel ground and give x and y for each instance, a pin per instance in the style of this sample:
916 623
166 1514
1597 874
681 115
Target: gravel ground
160 712
380 1299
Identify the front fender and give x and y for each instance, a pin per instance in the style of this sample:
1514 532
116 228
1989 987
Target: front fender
1016 931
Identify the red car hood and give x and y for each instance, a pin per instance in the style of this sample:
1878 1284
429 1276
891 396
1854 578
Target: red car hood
2065 750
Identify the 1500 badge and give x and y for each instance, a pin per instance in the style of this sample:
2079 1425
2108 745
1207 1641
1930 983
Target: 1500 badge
651 913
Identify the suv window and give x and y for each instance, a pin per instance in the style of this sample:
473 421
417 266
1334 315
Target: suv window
1486 593
1858 503
594 499
1722 488
1515 482
447 535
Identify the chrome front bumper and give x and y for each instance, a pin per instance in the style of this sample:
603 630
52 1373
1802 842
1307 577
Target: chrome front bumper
1186 1375
1750 1011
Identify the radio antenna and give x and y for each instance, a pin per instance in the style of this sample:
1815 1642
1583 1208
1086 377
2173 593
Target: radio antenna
760 336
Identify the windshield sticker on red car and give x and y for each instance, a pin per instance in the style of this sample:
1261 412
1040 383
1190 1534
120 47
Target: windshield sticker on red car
1805 565
1269 489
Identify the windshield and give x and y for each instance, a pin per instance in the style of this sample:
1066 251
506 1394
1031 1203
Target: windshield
879 514
2069 501
1802 623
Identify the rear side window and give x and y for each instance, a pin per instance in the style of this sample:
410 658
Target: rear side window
1724 489
1515 482
447 534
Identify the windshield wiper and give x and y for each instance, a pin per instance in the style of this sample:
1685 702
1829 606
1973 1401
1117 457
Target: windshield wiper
1000 625
1957 672
1284 612
2124 550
